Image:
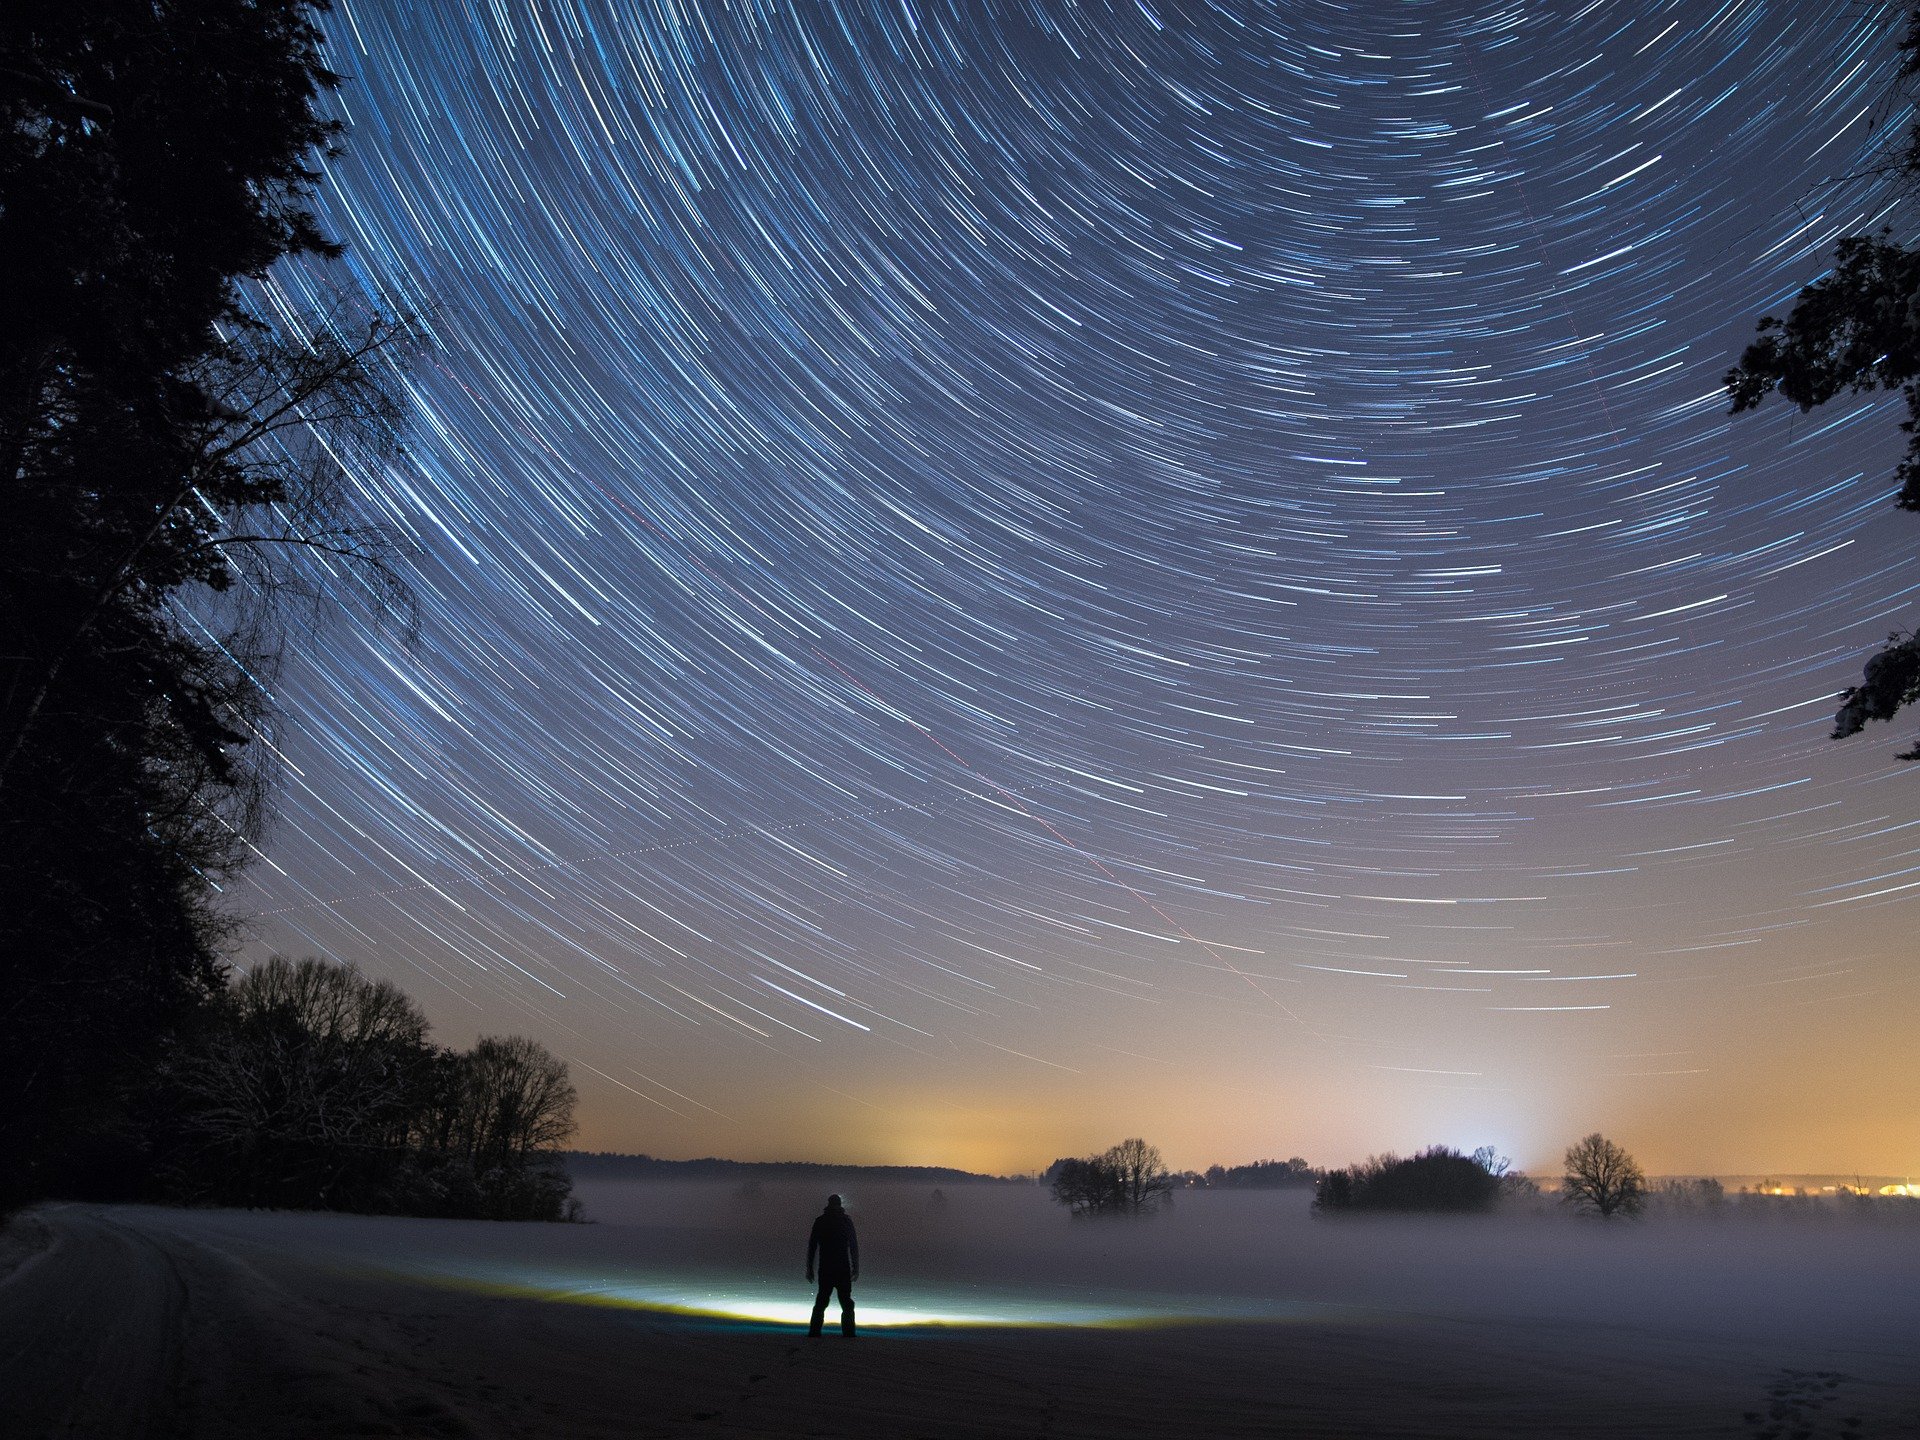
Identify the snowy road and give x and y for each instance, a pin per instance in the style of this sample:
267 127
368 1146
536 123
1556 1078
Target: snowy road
92 1331
129 1323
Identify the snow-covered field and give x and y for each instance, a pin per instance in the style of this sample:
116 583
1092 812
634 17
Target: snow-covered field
678 1312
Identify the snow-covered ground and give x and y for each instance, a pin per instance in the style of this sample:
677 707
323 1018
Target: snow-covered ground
678 1313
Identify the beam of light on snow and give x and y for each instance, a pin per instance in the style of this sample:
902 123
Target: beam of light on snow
894 1306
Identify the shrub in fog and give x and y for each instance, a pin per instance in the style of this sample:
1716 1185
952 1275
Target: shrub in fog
1263 1175
1437 1179
1514 1190
1520 1193
1704 1198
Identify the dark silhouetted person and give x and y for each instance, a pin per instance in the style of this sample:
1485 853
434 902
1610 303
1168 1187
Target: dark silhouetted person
838 1249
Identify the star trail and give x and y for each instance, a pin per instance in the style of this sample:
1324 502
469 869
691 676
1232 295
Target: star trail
996 575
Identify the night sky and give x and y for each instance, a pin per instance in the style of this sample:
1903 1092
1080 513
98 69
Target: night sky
996 576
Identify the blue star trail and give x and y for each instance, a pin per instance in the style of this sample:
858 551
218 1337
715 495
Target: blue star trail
959 540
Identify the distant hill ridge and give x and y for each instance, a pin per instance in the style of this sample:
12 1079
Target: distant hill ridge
602 1165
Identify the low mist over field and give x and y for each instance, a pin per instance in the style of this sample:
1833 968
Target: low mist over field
681 1309
1824 1277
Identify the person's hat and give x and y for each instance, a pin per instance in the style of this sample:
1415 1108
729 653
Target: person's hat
833 1202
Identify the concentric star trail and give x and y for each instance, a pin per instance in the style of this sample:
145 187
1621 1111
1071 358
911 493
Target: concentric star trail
956 532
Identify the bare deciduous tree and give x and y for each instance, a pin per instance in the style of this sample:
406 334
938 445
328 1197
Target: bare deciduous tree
315 1085
1603 1178
1082 1185
1127 1179
1140 1175
313 1075
519 1103
1703 1196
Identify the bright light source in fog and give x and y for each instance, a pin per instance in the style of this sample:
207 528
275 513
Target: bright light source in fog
902 1307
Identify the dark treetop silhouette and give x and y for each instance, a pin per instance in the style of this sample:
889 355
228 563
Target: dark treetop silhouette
164 441
1855 330
833 1239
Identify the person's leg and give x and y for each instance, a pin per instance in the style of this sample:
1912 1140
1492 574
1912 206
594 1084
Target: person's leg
820 1306
846 1307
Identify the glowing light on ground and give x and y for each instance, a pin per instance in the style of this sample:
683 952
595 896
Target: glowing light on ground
900 1306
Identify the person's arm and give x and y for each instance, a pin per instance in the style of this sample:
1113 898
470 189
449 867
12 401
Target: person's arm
853 1248
813 1245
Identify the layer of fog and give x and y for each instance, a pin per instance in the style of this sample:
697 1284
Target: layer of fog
1823 1278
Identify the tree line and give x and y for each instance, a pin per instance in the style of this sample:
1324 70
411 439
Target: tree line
1598 1178
172 461
308 1085
1132 1178
1289 1174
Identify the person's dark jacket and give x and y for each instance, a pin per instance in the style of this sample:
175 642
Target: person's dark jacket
834 1241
